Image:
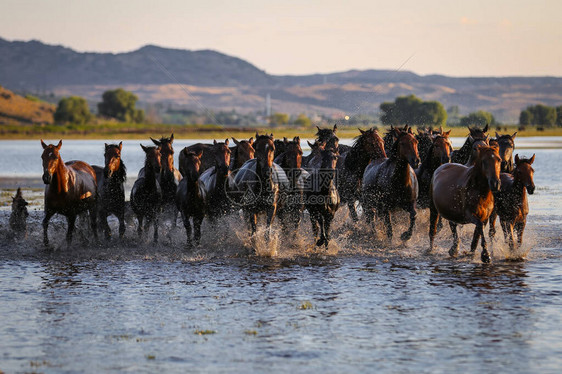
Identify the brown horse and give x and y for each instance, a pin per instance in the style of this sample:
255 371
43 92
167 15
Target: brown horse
506 143
189 198
168 178
146 194
242 152
368 146
111 192
290 160
322 198
215 181
391 183
467 153
463 194
18 217
511 203
71 189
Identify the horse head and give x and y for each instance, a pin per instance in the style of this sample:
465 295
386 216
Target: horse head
329 159
112 156
371 143
192 164
51 159
167 154
153 158
293 154
406 148
506 144
442 148
243 151
488 162
265 150
221 153
19 204
328 136
524 173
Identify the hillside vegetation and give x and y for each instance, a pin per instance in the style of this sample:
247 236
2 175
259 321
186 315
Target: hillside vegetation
15 109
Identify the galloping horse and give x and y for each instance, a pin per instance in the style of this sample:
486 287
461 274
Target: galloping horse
259 182
507 146
439 153
468 151
329 138
71 189
511 202
391 183
215 181
242 152
111 192
189 197
290 213
168 178
367 146
146 194
322 198
463 194
18 217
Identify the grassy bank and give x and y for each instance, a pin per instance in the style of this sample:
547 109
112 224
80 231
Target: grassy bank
142 131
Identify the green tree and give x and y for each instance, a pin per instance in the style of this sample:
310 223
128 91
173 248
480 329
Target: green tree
120 104
526 117
279 118
453 115
478 118
559 115
411 110
73 109
303 121
542 114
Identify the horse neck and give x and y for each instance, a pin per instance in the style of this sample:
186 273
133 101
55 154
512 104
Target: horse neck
61 176
149 173
401 170
358 159
478 179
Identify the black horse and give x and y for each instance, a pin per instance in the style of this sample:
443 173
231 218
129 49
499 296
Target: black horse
322 198
168 178
111 177
146 194
189 197
215 182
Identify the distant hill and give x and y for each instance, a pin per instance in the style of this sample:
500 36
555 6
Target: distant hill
218 81
16 109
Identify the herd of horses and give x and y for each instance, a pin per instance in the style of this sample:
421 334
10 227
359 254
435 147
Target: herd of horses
401 170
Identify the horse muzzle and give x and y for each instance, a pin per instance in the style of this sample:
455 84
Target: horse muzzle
530 189
414 162
495 185
47 178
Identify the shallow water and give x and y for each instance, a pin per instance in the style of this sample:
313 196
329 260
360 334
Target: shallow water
363 305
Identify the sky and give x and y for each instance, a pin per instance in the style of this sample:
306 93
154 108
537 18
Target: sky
450 37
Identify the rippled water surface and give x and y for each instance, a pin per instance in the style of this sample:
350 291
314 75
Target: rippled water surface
362 306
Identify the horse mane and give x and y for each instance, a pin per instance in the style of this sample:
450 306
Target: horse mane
394 149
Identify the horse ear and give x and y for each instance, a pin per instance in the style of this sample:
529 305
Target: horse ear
172 138
335 128
532 159
318 128
310 144
120 146
226 141
447 133
43 144
516 158
285 140
486 128
18 192
297 139
251 141
235 140
144 148
59 145
361 131
214 142
156 142
514 135
257 135
441 129
271 136
497 135
105 144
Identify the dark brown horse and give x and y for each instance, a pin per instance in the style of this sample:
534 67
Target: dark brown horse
146 194
215 181
241 152
368 146
506 143
463 194
71 189
330 139
322 198
391 136
390 184
111 199
168 178
259 183
18 217
511 203
207 158
311 161
189 198
476 138
290 212
439 153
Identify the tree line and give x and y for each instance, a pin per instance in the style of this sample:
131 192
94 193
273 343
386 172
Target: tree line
541 115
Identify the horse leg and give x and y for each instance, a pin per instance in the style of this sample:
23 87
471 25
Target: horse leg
139 229
433 218
197 229
71 220
511 239
493 217
187 226
94 221
48 215
315 227
387 223
454 250
485 256
321 222
121 218
520 228
155 219
252 218
327 223
439 224
104 225
269 220
408 234
475 237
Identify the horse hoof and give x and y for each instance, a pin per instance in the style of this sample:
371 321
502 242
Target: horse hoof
320 242
406 236
485 257
454 251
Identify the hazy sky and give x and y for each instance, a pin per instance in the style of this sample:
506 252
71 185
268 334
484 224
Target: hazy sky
459 38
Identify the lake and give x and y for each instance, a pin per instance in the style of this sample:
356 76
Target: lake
361 306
